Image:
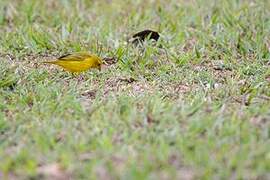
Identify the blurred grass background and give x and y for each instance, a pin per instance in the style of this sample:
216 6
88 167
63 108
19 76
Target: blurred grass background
197 108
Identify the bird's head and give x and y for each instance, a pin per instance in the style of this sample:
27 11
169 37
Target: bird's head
98 61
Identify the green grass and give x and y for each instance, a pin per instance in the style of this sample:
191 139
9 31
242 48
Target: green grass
198 108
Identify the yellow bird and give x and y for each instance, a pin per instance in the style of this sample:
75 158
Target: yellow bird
77 62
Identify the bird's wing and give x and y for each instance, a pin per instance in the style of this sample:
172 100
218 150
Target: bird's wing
79 56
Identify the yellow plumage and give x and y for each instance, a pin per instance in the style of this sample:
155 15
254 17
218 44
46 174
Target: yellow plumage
77 62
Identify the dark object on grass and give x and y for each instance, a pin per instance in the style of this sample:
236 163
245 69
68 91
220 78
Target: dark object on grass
110 60
144 35
128 80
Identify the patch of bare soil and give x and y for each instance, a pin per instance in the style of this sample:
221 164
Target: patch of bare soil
260 121
130 85
53 171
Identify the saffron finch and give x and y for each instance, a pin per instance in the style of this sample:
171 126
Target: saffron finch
77 62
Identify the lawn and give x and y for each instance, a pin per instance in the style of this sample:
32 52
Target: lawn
194 106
